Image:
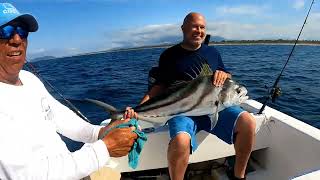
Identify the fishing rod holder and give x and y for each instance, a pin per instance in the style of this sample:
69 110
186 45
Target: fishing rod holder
272 94
275 93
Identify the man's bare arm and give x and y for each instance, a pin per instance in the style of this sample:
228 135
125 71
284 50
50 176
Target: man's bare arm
154 91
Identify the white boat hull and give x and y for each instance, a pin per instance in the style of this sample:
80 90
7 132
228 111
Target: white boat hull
285 147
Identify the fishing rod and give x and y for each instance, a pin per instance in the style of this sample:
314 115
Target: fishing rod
276 91
73 108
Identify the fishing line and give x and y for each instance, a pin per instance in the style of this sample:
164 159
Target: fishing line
275 91
73 108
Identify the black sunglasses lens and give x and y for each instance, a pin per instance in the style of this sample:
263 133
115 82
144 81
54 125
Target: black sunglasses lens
8 31
22 32
1 34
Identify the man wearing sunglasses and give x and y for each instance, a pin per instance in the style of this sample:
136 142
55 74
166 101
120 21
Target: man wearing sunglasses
30 118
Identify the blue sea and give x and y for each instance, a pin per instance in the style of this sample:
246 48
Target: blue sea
120 77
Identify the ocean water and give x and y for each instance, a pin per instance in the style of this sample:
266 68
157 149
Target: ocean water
120 78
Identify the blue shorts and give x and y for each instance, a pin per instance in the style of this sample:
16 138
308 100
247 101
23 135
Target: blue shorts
192 125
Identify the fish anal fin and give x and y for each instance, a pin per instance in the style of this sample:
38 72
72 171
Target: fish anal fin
214 119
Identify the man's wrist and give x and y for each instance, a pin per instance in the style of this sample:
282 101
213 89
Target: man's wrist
101 132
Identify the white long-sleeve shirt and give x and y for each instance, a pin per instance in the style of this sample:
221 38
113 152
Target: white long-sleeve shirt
30 147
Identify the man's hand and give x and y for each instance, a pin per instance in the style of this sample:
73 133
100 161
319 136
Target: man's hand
119 141
111 125
219 77
130 113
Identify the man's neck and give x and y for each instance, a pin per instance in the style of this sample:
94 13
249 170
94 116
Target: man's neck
189 47
12 80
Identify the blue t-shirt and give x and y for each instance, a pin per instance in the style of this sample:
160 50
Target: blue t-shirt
177 64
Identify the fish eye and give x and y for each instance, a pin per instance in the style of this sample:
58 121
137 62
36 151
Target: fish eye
238 90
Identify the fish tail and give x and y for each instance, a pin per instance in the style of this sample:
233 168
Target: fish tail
107 107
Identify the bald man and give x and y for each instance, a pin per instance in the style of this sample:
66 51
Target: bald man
184 62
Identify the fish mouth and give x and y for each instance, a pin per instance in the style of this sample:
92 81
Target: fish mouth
242 91
244 98
233 93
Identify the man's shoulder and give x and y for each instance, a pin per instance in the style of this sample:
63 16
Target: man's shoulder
172 49
27 74
207 48
29 77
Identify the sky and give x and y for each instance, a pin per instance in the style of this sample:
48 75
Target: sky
71 27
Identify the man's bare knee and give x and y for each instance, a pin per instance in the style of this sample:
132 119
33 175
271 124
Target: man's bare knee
246 123
180 142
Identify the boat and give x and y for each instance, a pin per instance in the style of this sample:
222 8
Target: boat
285 148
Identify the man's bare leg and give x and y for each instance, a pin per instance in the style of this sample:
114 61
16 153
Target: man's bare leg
178 156
245 129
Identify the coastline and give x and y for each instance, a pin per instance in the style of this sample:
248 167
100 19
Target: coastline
226 43
214 44
271 44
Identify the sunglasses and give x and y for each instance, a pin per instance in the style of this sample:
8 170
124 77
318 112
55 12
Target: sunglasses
8 31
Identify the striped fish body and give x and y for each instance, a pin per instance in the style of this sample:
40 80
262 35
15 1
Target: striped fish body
195 98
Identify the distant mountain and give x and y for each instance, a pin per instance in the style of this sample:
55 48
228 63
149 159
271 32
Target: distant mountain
42 58
217 39
177 39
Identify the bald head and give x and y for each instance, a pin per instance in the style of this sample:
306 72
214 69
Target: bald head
192 17
194 31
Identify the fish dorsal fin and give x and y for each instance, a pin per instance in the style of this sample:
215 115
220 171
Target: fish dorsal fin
206 70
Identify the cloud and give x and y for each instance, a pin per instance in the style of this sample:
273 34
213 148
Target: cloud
312 27
241 10
72 1
298 4
34 53
232 30
40 50
73 49
147 35
56 52
238 31
171 33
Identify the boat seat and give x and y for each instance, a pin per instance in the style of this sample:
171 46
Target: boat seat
153 155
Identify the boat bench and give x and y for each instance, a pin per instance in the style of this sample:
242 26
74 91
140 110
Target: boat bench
154 153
